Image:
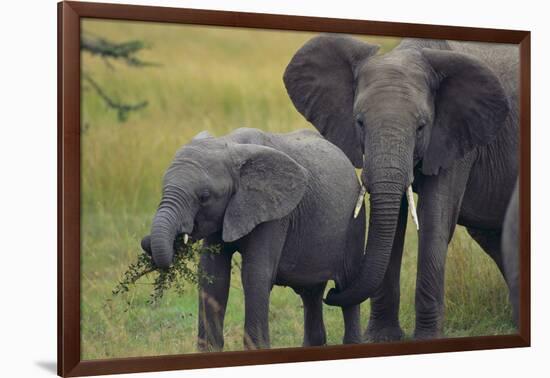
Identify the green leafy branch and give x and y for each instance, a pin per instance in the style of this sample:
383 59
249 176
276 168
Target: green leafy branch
184 269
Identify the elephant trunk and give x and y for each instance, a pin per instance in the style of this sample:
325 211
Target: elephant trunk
384 213
386 176
168 222
163 234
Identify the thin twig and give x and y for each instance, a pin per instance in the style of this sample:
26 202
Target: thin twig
122 109
107 50
125 51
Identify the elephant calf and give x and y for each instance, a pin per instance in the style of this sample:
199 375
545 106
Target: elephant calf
286 203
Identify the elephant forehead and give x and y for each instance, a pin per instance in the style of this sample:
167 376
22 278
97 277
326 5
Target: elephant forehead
202 156
406 68
198 165
200 148
185 173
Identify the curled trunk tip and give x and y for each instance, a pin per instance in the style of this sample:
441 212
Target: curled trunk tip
163 234
384 214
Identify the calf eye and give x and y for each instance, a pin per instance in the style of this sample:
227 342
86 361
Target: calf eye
360 122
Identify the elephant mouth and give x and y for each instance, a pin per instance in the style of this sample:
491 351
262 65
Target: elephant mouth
203 229
183 238
180 240
410 199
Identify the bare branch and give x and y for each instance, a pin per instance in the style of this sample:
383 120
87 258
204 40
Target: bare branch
125 51
122 109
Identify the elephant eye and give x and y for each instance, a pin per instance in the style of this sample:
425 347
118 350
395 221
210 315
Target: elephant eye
204 196
359 121
421 125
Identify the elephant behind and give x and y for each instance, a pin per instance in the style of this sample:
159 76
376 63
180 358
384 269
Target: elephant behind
510 251
286 203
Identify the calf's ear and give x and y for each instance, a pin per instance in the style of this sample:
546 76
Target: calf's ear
270 185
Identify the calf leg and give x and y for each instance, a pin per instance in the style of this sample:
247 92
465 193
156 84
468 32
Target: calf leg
261 252
352 324
213 293
314 327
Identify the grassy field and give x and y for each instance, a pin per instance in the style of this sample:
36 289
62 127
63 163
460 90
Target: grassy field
211 79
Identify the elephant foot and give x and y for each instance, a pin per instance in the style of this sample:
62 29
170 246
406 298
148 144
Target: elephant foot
353 339
309 344
319 340
427 334
204 346
383 333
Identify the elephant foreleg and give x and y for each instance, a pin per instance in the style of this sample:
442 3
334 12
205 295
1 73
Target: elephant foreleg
384 316
213 294
314 327
261 252
440 199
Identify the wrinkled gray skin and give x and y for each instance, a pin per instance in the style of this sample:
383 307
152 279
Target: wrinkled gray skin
510 251
285 202
441 116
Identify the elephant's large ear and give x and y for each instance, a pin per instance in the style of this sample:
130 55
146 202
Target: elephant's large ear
320 80
470 108
270 186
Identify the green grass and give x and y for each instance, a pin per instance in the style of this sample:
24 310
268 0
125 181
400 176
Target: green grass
212 79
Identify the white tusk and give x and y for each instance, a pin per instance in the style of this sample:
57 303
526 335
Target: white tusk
185 238
412 206
360 201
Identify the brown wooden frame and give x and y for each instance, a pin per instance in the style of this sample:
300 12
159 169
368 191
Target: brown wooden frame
69 16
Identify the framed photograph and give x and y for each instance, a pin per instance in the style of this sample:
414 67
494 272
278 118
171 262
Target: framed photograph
239 188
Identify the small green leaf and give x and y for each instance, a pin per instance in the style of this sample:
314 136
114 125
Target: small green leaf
184 269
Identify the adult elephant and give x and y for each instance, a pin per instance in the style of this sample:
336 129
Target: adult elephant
286 203
437 115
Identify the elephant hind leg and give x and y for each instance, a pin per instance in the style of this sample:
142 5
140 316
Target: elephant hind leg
490 242
314 327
